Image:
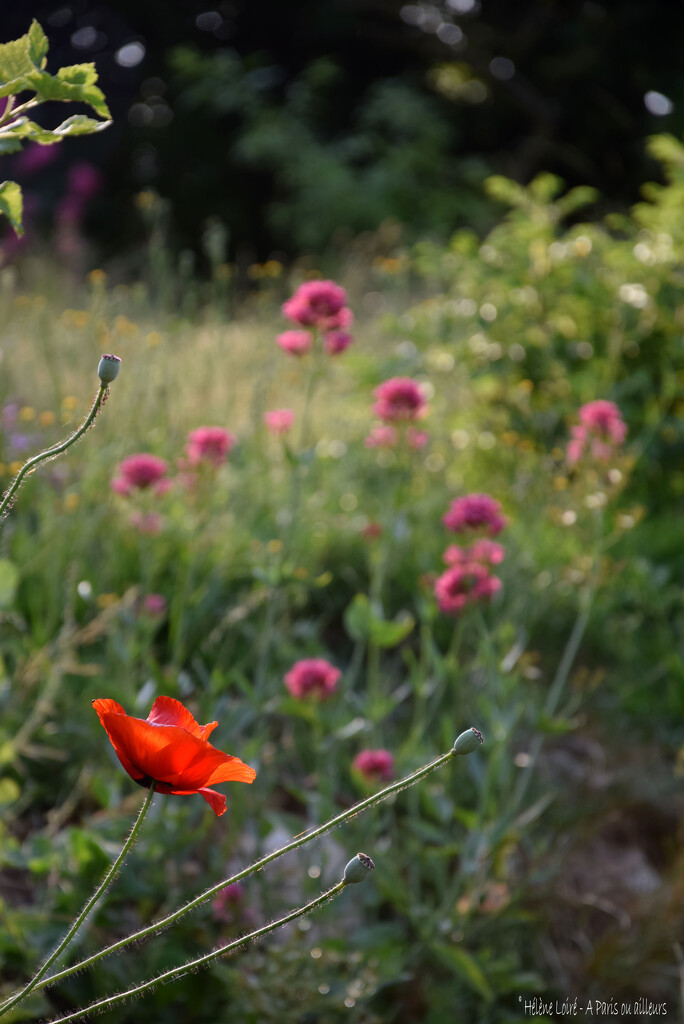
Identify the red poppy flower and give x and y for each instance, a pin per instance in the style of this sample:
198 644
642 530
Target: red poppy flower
170 749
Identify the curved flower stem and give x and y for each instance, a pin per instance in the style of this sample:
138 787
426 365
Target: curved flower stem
300 840
35 981
177 972
50 453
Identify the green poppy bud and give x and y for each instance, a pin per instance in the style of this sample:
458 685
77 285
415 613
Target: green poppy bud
109 368
357 869
468 741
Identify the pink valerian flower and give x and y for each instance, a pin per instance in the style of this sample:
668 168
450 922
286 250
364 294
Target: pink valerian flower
600 432
416 439
475 512
279 421
399 398
209 445
312 677
295 343
375 765
483 551
604 419
139 472
319 304
154 605
227 900
382 436
336 342
464 584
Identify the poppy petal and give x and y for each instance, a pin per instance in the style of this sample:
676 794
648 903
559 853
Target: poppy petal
145 748
232 770
106 704
164 752
216 801
193 764
167 711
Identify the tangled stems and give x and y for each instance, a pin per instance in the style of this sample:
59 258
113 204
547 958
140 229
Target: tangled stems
300 840
35 982
202 961
50 453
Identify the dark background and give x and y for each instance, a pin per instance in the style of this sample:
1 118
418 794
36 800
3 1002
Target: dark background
301 124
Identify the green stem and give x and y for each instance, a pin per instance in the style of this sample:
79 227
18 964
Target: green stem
301 840
264 642
103 886
202 961
5 116
50 453
562 672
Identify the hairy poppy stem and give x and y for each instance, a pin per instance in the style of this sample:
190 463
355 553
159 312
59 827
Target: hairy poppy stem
202 961
301 840
50 453
102 888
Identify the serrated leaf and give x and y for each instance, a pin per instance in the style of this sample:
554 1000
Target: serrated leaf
38 44
9 145
73 84
80 124
15 65
11 204
22 128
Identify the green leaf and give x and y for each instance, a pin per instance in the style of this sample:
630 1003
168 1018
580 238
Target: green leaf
362 623
9 145
468 968
78 124
72 84
15 65
37 45
11 205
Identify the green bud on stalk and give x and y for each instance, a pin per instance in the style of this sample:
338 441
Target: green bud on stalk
468 741
108 370
357 869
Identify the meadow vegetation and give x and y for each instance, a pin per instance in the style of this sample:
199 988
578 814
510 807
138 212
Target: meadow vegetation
547 862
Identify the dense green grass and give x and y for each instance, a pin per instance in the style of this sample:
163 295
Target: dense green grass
505 875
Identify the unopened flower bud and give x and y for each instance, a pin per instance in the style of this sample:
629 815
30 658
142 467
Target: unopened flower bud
357 869
109 368
468 741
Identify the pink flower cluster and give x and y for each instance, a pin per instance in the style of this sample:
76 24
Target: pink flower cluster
464 584
483 552
279 421
144 473
399 399
312 677
469 578
320 305
209 446
374 765
475 512
140 472
600 432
